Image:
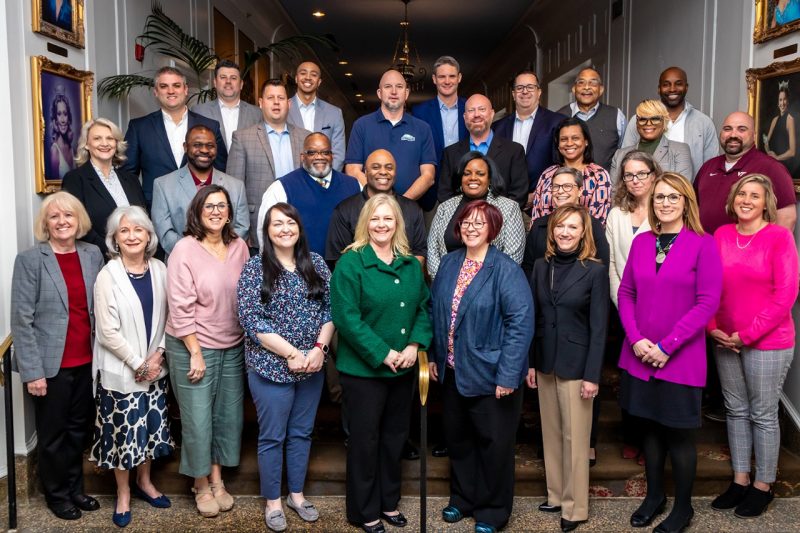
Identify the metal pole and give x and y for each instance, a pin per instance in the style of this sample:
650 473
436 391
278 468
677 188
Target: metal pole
12 473
423 445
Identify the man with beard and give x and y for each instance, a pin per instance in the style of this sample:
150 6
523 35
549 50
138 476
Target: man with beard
380 170
687 124
314 190
173 192
407 138
507 155
716 177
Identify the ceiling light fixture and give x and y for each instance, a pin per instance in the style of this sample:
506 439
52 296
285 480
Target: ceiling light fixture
404 52
319 14
348 74
359 95
343 62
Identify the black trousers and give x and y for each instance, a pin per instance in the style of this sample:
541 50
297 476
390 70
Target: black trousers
480 433
378 410
63 418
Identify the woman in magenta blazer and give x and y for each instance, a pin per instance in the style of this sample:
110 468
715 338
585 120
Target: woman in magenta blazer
669 291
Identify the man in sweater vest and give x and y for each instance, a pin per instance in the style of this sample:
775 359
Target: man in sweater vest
606 124
314 189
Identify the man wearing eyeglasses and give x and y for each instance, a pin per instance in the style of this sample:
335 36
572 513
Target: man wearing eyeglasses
531 125
314 189
606 123
173 192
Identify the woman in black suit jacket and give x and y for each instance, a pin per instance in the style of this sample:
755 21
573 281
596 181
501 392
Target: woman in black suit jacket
570 289
96 183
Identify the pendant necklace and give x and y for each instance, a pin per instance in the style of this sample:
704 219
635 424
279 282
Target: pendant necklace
748 242
662 252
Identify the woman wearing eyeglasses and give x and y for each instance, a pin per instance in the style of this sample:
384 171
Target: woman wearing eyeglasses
204 345
480 180
574 144
670 290
652 119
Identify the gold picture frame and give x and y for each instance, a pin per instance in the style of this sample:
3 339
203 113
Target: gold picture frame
765 16
62 103
63 22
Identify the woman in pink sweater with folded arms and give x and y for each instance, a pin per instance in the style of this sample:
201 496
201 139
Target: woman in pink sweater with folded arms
754 334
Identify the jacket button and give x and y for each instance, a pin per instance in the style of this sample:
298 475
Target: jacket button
403 331
396 282
402 304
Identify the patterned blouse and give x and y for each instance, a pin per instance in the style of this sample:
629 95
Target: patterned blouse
468 272
289 313
595 196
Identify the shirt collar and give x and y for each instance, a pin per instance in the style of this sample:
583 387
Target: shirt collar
487 142
531 117
167 118
198 181
382 117
312 103
270 129
223 105
444 107
326 178
576 109
111 175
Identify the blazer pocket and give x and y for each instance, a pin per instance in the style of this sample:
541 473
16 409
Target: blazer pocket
577 338
325 128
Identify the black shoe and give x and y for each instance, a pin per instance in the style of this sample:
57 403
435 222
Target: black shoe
755 502
569 525
671 525
397 520
375 528
643 517
69 512
715 414
483 527
85 502
547 508
440 450
410 452
452 514
729 499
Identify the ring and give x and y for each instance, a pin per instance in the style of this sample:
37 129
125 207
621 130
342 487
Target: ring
655 364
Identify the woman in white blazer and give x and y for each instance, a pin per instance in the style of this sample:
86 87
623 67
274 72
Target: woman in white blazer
131 426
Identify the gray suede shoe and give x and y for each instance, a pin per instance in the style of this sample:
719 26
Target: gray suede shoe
275 520
305 510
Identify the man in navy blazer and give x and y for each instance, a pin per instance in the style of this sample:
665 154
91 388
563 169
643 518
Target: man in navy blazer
531 126
155 141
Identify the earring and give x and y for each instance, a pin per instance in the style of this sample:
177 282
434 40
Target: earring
116 246
228 221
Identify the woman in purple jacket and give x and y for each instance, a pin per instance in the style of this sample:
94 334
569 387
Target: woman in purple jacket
670 289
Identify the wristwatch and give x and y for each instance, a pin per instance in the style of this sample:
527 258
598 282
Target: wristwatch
324 347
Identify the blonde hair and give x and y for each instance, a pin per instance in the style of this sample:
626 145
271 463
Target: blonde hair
399 239
588 251
66 202
770 213
653 108
82 153
691 214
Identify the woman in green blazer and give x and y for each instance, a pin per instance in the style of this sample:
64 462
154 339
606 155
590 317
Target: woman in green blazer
379 303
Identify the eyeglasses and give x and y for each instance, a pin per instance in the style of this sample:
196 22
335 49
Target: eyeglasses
209 208
644 121
314 153
477 224
673 198
566 187
525 88
639 176
587 83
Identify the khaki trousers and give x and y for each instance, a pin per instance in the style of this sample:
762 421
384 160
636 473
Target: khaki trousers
566 424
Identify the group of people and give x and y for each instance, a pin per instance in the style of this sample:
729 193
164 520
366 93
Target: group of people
288 249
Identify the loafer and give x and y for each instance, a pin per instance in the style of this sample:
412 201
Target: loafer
669 527
374 528
569 525
754 504
397 520
547 508
275 520
731 498
483 527
160 502
67 512
452 514
440 450
305 510
642 517
223 498
84 502
207 508
410 452
120 519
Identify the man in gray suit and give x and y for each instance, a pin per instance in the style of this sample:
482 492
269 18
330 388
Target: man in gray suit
173 193
310 112
228 109
267 151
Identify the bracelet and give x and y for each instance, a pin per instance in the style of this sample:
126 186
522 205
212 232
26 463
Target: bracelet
142 371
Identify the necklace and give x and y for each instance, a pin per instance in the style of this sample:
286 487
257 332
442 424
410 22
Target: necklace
137 276
748 242
220 253
662 252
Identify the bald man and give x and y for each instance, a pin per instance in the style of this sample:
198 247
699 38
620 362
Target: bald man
507 155
716 177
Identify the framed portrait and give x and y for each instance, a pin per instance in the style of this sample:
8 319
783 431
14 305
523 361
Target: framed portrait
60 19
774 103
62 98
775 18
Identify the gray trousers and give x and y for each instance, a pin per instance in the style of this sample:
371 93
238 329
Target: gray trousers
751 384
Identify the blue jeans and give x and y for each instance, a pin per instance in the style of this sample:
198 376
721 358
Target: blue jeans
286 413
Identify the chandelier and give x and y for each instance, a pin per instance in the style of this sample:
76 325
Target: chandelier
402 58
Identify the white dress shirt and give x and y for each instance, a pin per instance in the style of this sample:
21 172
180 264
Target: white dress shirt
308 112
676 129
113 186
176 133
230 120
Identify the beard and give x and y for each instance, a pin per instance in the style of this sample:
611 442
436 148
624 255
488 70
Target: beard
734 150
314 173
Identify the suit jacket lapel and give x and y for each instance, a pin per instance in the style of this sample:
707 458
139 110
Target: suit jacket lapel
575 274
294 112
186 183
495 149
296 142
535 129
474 288
88 275
436 116
319 116
161 135
51 265
96 182
262 138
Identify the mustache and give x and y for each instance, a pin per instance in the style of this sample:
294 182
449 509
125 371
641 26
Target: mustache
731 139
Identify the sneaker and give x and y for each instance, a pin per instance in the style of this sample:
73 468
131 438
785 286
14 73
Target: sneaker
730 498
754 504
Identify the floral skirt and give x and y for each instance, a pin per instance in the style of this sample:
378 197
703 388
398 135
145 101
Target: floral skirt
131 428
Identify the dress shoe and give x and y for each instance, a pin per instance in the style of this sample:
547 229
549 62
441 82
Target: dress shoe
755 503
440 450
375 528
483 527
545 507
452 514
569 525
120 519
674 526
69 512
630 452
397 520
410 452
642 517
715 414
161 502
731 498
85 502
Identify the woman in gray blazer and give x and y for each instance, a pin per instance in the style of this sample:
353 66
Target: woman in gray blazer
51 323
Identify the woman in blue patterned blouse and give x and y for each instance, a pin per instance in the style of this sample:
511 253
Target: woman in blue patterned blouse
284 308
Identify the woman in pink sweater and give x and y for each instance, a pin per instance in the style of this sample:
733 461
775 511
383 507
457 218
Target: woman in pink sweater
754 334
